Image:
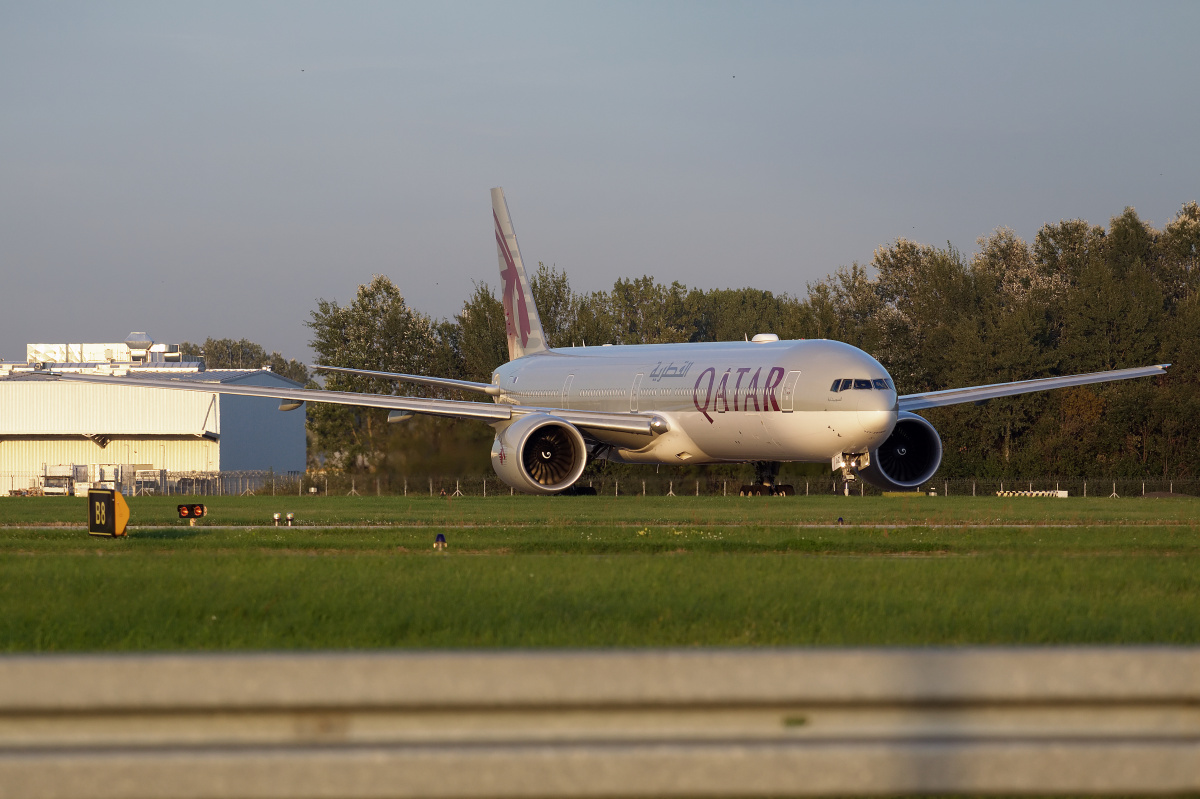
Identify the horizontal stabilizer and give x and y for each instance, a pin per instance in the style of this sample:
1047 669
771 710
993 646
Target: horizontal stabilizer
442 382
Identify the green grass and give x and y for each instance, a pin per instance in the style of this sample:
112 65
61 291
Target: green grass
605 539
824 509
255 600
598 572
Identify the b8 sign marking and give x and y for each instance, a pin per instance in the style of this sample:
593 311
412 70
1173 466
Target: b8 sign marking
107 513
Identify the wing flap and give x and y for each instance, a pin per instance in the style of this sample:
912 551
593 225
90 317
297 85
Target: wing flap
958 396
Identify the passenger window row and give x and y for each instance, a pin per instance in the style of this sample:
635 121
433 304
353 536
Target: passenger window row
845 384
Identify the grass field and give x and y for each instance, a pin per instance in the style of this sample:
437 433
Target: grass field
541 511
601 571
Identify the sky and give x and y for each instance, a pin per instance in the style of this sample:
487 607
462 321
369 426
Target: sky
213 169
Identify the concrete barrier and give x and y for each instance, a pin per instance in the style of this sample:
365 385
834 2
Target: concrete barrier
610 723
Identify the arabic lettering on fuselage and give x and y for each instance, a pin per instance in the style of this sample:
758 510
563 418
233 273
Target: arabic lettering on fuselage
716 390
661 372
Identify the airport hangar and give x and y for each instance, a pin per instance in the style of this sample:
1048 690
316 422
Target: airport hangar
44 423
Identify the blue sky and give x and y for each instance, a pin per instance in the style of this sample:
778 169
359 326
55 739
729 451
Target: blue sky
212 169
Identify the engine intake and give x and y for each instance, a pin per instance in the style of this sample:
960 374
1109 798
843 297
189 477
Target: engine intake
910 456
539 454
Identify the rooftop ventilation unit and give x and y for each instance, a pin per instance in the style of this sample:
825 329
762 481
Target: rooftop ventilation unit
138 341
139 345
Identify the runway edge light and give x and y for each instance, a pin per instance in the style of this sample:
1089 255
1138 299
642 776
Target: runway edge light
191 512
107 513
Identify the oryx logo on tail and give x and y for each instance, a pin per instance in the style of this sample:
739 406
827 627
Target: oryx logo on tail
516 314
521 321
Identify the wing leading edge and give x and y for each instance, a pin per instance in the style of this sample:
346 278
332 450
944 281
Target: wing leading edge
639 423
957 396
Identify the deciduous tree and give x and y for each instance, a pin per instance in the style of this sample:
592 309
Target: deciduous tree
379 332
226 353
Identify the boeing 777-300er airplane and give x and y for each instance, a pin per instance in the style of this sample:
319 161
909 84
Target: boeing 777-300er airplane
763 401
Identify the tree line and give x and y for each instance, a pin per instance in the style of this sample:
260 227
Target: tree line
226 353
1078 298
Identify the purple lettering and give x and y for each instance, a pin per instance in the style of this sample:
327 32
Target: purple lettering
752 391
737 390
712 375
774 378
721 394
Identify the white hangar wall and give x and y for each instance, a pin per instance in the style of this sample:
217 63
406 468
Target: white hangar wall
29 454
45 422
56 408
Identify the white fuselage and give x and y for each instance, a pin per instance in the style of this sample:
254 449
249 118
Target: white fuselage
727 401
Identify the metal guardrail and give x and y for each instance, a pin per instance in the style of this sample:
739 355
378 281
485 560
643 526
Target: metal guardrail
615 723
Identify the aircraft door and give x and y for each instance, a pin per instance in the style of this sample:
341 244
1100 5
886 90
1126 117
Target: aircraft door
789 392
566 392
633 393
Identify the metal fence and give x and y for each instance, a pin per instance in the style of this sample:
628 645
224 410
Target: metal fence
150 482
651 484
635 482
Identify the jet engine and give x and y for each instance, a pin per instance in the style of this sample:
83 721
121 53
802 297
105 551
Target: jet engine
539 454
909 457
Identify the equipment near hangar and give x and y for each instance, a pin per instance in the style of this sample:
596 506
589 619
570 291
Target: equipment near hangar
45 422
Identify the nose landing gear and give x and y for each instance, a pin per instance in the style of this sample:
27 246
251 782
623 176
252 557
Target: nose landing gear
850 463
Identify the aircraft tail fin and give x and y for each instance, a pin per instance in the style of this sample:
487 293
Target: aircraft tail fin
521 320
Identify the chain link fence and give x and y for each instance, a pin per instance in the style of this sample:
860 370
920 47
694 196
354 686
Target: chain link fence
651 484
1073 486
161 482
149 482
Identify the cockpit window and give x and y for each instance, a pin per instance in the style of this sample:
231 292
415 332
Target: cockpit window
846 383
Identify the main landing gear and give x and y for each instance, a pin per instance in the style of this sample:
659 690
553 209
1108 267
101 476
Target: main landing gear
764 485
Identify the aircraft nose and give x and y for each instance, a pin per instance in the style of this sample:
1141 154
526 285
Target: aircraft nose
876 421
877 411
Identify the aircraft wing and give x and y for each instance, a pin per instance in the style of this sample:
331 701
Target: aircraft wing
956 396
643 423
444 382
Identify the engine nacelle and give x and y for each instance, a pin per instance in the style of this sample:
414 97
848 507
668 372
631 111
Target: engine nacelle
539 454
910 456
